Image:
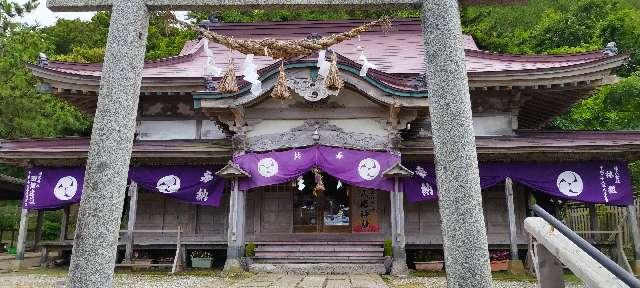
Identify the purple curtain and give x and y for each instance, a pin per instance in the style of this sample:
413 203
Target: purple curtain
48 188
603 182
190 184
355 167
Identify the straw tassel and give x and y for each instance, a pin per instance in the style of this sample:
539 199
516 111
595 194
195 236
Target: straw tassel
280 90
333 80
319 189
228 83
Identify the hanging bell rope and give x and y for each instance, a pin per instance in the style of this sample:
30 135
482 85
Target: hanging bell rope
278 49
228 83
280 90
334 80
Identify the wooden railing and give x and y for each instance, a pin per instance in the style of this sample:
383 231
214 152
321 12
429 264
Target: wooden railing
554 244
177 263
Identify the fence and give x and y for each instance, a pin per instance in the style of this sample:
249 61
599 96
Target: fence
608 218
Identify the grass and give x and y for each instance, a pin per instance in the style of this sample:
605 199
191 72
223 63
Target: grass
499 276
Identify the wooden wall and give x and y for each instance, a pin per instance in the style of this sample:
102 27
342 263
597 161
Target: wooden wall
199 223
269 218
422 220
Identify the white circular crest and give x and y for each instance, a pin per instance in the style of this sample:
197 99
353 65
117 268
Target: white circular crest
267 167
369 168
66 188
168 184
570 183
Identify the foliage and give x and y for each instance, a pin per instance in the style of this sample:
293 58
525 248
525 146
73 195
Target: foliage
85 41
250 249
10 212
556 26
25 111
388 247
242 16
612 107
11 9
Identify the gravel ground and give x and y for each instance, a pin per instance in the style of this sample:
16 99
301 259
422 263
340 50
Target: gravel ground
40 279
24 280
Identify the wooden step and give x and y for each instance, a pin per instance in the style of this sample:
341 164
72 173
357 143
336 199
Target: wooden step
294 248
372 260
309 254
319 243
324 252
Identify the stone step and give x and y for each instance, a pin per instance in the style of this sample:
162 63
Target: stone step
319 268
304 254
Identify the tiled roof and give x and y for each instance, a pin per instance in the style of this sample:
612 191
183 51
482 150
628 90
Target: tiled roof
399 51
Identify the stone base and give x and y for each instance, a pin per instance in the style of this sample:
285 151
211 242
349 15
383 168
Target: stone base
636 267
232 265
318 268
516 267
399 267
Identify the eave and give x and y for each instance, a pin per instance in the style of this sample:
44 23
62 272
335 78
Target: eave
524 146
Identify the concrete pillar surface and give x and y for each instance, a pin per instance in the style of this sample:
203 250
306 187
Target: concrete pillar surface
95 244
463 227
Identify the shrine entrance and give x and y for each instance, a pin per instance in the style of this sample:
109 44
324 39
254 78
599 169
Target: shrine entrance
321 207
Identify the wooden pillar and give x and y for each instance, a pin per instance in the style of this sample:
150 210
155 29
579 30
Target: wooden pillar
398 241
131 221
593 222
515 264
235 232
38 233
22 238
65 223
635 234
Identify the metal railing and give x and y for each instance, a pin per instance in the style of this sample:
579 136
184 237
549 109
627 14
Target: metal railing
592 251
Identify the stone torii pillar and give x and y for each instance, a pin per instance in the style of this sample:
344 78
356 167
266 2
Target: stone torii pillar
463 228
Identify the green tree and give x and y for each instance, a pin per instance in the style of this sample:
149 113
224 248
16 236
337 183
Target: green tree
11 9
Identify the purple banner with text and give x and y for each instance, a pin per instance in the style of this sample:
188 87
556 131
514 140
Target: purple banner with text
191 184
355 167
605 182
48 188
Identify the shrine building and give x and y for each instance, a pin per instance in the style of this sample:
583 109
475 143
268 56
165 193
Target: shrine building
325 177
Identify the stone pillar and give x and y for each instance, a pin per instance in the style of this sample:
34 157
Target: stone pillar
131 221
235 233
95 244
635 234
399 266
548 267
515 264
463 229
22 239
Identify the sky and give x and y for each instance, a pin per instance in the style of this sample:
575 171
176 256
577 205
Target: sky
44 17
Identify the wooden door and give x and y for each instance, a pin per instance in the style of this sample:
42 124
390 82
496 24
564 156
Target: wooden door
276 209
